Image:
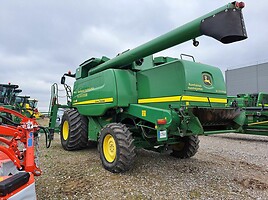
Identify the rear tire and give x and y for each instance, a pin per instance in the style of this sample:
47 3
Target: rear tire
116 147
186 148
73 132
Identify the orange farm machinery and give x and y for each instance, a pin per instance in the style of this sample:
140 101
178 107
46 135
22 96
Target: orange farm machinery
19 155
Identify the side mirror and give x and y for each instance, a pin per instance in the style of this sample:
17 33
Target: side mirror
62 81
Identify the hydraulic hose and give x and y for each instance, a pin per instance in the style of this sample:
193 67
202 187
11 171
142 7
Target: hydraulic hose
47 135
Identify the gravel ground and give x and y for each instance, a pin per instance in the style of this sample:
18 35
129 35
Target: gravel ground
227 166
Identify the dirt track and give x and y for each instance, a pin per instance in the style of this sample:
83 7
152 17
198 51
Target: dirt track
227 166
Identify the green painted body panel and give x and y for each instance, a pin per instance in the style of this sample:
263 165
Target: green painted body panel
181 78
126 87
95 94
93 128
149 113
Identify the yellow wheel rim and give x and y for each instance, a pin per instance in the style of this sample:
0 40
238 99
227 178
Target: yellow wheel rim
65 130
109 148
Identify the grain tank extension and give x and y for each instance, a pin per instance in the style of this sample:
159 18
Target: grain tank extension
161 104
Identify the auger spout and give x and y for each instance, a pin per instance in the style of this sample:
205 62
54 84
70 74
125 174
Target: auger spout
225 24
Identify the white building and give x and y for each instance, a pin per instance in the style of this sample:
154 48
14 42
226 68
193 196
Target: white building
250 79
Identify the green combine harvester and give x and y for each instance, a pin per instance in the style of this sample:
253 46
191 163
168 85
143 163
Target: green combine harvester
9 98
8 93
256 109
27 106
160 104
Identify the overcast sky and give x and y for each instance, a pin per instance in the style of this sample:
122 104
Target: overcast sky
41 40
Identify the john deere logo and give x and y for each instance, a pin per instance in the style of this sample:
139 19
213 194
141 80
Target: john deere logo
207 79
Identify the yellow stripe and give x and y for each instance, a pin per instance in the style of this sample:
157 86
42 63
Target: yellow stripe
194 98
255 123
95 101
183 98
217 100
263 104
160 99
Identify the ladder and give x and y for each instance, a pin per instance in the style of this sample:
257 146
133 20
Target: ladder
54 104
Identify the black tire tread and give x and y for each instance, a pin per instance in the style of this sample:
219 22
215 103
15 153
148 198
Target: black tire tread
191 145
78 137
126 148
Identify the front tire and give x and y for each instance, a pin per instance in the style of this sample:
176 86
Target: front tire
186 148
116 147
73 130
